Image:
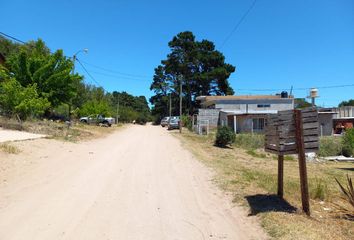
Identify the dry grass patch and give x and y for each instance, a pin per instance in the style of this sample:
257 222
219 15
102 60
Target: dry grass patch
9 148
251 175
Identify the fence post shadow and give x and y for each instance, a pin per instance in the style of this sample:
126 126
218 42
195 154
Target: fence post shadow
261 203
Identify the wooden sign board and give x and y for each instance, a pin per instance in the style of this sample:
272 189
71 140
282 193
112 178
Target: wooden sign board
280 132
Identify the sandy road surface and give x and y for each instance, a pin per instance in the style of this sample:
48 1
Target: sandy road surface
138 183
11 135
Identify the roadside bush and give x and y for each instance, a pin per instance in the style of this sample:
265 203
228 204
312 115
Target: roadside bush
224 136
319 190
142 119
330 146
348 143
249 141
187 122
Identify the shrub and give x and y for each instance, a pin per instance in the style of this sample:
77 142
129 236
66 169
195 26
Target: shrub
330 146
348 143
319 190
224 136
249 141
187 122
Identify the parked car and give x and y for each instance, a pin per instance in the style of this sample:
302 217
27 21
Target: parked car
173 123
98 120
164 121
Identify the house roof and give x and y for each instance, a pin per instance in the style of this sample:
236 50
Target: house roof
239 112
239 97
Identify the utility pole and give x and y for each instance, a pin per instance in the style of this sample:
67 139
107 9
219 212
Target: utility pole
170 106
180 103
117 109
73 72
85 50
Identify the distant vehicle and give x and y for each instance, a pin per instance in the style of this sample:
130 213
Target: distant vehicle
98 120
173 123
164 121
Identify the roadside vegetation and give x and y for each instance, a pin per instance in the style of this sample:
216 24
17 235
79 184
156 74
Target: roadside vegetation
57 130
36 83
250 174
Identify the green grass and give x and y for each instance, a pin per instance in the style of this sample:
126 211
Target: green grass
249 141
251 172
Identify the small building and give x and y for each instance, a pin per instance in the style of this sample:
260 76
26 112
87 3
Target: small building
242 113
325 121
343 119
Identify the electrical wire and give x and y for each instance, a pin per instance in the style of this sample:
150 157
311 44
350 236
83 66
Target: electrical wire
13 38
117 76
238 23
237 89
83 67
296 89
117 72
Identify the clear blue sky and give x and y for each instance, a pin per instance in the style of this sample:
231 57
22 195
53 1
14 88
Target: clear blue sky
303 43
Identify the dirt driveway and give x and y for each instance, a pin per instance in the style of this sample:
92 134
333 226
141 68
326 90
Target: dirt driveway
137 183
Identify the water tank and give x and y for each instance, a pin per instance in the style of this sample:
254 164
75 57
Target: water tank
313 93
284 94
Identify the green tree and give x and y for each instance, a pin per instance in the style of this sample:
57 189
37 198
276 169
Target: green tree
34 64
24 101
7 47
346 103
301 103
197 65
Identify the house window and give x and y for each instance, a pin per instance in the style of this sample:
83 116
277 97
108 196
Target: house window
263 105
258 124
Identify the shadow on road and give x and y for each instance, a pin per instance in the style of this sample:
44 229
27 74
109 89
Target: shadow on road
346 169
268 203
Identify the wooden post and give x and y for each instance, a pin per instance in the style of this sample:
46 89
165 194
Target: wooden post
280 175
302 161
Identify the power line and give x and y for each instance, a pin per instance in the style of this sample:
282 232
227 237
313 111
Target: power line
13 38
83 67
117 76
114 71
239 23
296 89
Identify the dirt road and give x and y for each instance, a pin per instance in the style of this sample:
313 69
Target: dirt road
137 183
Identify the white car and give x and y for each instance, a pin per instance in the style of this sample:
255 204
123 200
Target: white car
98 120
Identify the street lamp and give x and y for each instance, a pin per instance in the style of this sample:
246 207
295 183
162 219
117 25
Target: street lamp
85 50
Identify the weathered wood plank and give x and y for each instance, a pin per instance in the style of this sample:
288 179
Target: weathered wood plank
285 112
271 151
306 110
310 125
311 144
309 114
313 131
310 119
